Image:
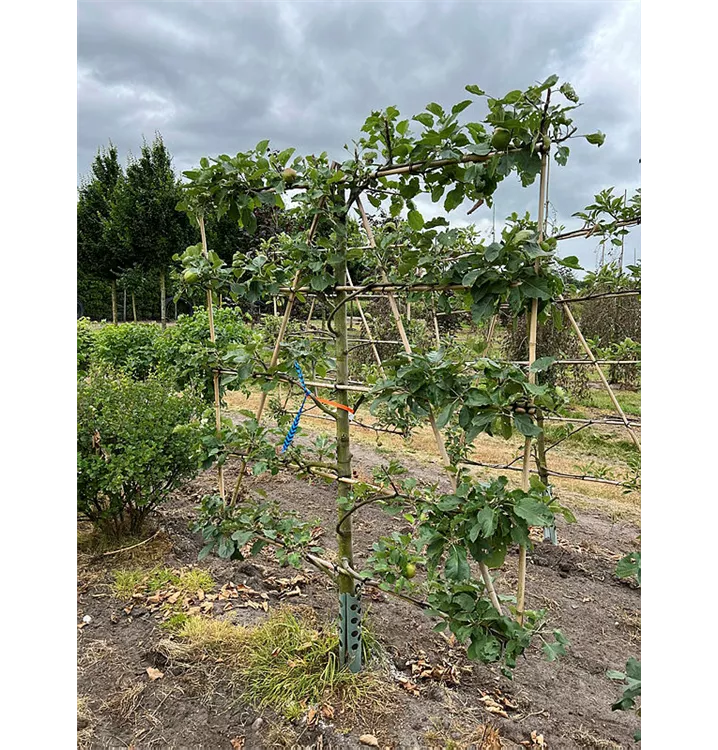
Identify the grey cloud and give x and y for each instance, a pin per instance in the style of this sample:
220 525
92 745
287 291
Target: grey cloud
217 77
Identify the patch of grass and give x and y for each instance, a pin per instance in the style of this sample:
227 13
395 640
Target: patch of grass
288 663
456 737
175 622
85 724
131 581
630 401
93 542
594 443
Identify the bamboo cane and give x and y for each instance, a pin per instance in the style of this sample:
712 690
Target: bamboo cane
440 444
365 322
599 370
215 375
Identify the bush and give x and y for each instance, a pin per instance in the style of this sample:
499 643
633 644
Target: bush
85 345
136 442
129 347
184 352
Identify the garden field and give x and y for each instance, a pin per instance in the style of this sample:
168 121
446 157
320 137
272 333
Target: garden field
423 691
380 486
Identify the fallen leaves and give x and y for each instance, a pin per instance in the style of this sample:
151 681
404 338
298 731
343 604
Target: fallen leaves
369 739
497 703
237 743
443 672
536 742
154 674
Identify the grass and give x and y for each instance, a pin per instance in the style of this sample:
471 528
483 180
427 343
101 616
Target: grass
130 581
630 401
93 542
592 442
288 663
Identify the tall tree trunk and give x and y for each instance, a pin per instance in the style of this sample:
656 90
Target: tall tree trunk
134 308
163 299
113 285
124 305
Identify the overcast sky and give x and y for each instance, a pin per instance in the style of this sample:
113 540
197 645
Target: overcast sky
217 77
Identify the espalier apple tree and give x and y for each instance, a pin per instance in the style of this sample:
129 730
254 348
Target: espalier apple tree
475 524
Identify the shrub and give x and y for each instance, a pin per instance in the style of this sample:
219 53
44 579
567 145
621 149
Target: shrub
136 442
130 347
85 345
184 351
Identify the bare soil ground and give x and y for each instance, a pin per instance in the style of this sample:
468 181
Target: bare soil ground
564 704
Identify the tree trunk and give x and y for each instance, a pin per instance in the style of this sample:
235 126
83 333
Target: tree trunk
134 308
124 305
163 300
113 285
345 553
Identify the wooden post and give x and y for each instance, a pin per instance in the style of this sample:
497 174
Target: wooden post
532 331
163 299
311 310
113 287
601 375
440 444
134 308
124 305
365 322
288 311
212 338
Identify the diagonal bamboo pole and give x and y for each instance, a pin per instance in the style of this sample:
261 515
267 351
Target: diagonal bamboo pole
215 377
365 322
285 318
440 444
599 370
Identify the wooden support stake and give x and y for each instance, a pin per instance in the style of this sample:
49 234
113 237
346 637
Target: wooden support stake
365 322
440 444
599 370
215 378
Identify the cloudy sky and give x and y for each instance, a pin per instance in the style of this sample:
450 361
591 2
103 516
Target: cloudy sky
217 77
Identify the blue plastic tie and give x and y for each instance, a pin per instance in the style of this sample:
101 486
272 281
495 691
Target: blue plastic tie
295 422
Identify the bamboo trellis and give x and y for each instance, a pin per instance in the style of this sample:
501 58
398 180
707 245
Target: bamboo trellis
346 291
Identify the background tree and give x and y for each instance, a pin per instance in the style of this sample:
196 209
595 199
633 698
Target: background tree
98 250
152 228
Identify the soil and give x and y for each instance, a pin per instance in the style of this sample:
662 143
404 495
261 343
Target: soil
562 704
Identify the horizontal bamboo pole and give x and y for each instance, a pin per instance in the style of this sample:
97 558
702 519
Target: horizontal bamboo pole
587 232
581 477
390 289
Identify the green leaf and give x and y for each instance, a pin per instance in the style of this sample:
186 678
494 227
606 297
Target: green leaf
633 668
472 88
456 567
435 109
535 287
556 649
630 566
415 219
513 96
570 261
425 119
535 513
597 139
562 154
541 364
454 198
486 520
524 424
552 80
465 601
460 107
242 537
444 415
492 252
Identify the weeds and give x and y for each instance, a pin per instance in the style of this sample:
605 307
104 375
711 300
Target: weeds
129 582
